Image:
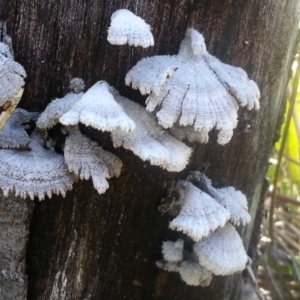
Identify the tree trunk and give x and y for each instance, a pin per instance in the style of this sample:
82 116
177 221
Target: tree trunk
90 246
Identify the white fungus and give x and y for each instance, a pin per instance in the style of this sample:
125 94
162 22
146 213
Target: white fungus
148 140
237 205
222 252
50 116
178 259
12 76
173 251
98 109
127 28
230 198
194 89
193 274
200 213
13 135
38 172
86 159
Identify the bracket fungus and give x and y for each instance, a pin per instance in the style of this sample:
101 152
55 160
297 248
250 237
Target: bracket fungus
127 28
149 141
222 252
194 274
38 172
86 159
12 76
233 200
178 259
13 135
194 89
173 251
58 107
200 214
98 109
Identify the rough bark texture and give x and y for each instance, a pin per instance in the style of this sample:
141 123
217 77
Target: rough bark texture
14 229
105 247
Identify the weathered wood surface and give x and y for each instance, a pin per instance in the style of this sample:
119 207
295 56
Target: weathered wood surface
105 247
14 228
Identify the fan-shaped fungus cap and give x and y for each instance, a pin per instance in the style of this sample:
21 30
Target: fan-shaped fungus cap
237 205
148 140
98 109
222 252
159 68
127 28
173 251
58 107
200 214
230 198
13 134
187 89
12 82
38 172
193 274
236 81
86 159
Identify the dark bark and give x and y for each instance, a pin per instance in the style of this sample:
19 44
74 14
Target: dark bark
105 247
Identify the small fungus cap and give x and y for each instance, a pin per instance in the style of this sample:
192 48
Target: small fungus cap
13 135
173 251
86 159
193 274
98 109
222 252
12 76
200 213
127 28
57 108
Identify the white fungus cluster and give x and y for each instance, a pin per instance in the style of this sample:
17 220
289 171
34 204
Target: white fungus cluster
127 28
100 107
205 217
12 76
193 89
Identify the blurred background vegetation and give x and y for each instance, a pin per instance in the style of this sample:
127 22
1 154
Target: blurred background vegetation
279 269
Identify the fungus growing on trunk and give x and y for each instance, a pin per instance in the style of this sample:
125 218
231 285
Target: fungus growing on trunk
50 116
193 274
230 198
222 252
178 259
149 141
13 135
12 76
194 89
86 159
98 109
38 172
127 28
203 213
200 214
173 251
